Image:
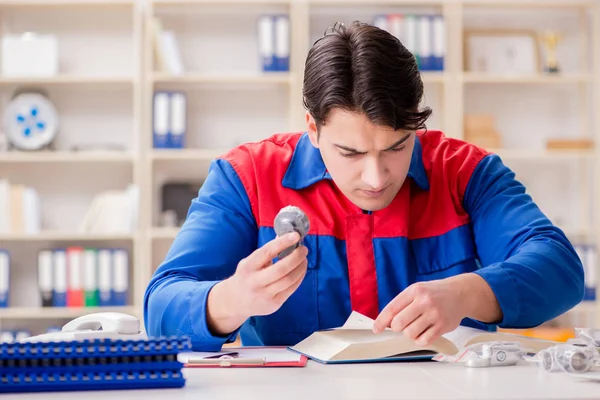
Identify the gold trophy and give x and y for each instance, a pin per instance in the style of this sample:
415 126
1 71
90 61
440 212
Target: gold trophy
550 40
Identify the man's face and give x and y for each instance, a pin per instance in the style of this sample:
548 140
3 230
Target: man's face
368 163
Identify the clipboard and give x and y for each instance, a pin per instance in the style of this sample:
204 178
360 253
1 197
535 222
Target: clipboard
244 357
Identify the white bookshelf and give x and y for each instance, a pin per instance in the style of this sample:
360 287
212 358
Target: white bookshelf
54 313
97 94
107 89
67 157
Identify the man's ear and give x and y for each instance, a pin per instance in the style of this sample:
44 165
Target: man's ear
311 129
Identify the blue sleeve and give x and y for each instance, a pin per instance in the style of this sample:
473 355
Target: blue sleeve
219 231
528 262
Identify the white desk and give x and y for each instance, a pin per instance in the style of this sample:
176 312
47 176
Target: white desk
424 380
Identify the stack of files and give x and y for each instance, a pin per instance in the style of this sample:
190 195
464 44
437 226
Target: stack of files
169 120
423 35
97 364
274 42
167 55
83 277
112 212
20 210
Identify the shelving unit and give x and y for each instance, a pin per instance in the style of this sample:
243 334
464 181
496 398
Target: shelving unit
97 94
231 101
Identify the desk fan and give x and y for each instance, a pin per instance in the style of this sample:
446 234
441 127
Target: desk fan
30 121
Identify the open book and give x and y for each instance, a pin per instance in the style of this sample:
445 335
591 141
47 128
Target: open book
356 342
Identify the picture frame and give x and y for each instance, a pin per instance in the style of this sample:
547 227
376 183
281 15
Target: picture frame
504 52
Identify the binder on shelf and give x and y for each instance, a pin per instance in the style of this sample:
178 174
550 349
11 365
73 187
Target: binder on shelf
410 35
395 26
424 43
75 277
120 264
177 120
161 120
381 21
439 42
59 262
4 278
282 43
90 277
105 277
266 43
45 271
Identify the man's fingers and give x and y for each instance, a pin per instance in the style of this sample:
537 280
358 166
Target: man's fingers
287 280
263 256
429 336
384 319
417 327
284 294
405 317
284 266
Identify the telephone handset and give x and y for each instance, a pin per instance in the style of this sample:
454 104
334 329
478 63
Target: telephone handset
102 325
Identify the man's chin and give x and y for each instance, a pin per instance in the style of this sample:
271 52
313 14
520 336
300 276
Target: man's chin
372 204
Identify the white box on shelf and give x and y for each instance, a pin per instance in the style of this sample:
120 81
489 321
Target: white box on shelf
29 55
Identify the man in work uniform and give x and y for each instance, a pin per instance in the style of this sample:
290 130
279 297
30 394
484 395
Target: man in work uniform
414 229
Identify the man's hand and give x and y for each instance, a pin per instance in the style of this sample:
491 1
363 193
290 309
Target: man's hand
258 286
427 310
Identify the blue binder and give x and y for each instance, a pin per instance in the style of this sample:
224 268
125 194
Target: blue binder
4 278
100 364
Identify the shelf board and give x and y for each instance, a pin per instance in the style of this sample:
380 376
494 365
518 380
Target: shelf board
415 3
572 233
586 306
167 3
67 79
433 76
44 157
540 155
15 313
474 77
164 233
64 237
522 4
190 78
67 3
186 154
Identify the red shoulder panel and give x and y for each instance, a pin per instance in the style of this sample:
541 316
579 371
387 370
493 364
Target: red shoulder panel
449 164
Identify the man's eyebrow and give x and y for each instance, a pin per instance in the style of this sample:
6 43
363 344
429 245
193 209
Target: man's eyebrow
399 142
351 150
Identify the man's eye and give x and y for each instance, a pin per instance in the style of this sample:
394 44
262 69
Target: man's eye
349 155
398 149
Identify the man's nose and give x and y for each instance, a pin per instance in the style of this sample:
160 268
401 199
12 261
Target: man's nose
374 174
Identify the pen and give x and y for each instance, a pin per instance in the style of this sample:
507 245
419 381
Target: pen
226 362
231 354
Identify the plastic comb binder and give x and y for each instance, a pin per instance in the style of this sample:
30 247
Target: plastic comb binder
99 364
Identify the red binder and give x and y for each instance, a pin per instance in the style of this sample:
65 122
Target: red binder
244 357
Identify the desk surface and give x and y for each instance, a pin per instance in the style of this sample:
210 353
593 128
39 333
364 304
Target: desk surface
421 380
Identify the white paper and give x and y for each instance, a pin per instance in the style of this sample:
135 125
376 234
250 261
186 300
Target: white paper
270 354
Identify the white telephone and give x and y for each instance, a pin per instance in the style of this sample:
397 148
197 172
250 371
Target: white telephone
102 325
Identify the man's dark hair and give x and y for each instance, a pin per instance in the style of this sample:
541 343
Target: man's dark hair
362 68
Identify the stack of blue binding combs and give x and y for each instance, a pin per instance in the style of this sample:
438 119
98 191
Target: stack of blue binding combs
98 364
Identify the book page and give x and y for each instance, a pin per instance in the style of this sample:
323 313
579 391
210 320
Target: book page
463 335
358 321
